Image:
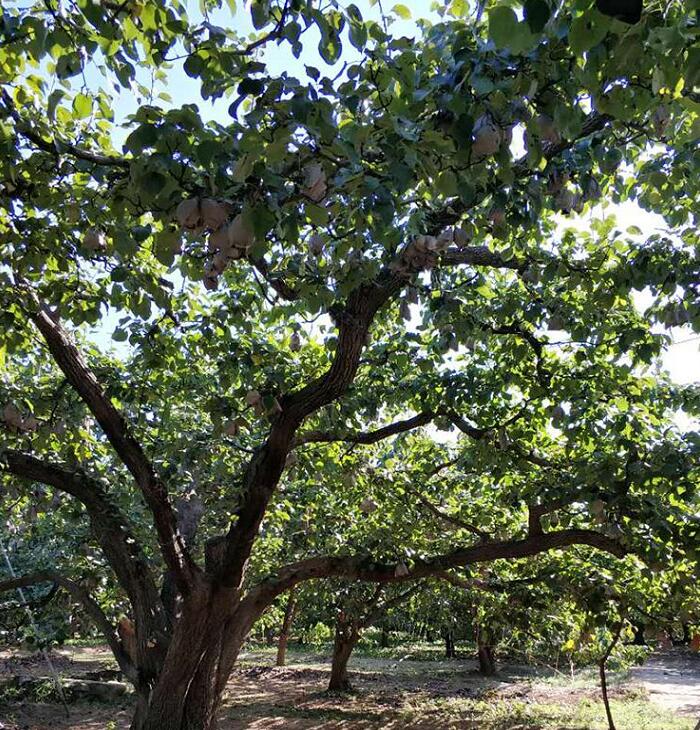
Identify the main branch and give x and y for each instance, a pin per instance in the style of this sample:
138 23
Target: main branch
364 567
70 361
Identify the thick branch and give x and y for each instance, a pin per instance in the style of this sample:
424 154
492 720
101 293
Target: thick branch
365 568
354 320
115 427
88 602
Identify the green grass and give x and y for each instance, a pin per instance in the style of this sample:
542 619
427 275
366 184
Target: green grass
587 714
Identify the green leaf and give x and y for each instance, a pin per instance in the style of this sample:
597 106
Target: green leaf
503 25
536 14
330 47
402 11
82 106
587 31
55 98
317 214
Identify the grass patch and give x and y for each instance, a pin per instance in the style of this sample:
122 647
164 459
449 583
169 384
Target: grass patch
587 714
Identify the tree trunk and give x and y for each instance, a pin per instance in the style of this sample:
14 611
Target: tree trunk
487 661
484 653
347 634
603 679
205 644
449 644
384 638
286 627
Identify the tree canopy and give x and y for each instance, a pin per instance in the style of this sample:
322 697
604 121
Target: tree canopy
365 307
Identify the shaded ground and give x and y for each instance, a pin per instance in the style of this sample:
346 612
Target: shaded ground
672 681
390 693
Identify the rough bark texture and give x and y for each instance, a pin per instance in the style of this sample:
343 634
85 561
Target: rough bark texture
205 644
347 634
487 660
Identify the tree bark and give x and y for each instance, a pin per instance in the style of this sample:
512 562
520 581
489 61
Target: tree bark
206 641
347 634
487 661
286 628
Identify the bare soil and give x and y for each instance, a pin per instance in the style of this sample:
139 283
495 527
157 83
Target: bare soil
388 694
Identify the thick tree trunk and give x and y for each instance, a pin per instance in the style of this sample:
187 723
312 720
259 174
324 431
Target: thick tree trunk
487 661
205 644
286 628
346 637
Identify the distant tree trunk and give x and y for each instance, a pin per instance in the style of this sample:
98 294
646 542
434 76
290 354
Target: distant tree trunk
487 661
484 652
289 612
384 638
603 680
449 644
347 633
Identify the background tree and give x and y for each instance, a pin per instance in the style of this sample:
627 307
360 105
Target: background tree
263 263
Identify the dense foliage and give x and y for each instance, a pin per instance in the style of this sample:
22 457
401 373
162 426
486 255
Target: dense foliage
376 310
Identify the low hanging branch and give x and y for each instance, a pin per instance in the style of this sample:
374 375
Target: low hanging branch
367 437
82 596
110 525
367 569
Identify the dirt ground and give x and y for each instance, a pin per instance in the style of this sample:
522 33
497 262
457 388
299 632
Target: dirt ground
391 694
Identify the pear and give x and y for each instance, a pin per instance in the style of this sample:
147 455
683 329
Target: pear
214 213
94 240
401 570
463 236
240 235
547 130
12 416
316 245
558 413
252 397
660 120
30 423
486 137
231 427
368 506
188 214
219 240
315 186
211 283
